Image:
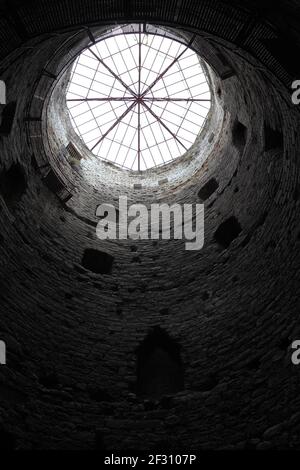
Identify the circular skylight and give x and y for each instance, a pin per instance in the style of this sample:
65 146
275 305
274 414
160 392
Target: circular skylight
138 100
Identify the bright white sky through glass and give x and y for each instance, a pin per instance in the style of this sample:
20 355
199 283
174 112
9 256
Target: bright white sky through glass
138 100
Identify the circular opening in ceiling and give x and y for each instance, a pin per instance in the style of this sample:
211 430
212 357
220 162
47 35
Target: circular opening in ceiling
138 100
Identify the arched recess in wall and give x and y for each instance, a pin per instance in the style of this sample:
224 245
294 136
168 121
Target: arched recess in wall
159 366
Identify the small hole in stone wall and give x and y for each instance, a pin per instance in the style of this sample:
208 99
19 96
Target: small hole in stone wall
97 261
164 311
13 185
49 380
211 138
208 189
133 248
159 368
253 364
239 135
284 343
227 232
119 312
271 245
7 118
273 138
205 296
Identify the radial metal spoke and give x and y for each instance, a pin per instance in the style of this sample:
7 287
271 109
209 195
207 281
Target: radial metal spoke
139 136
164 125
161 75
174 99
132 98
140 60
115 124
139 102
109 98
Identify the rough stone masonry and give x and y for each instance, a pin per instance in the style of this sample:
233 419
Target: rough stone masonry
141 344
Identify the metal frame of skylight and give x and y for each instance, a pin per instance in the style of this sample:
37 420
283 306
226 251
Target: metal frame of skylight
140 100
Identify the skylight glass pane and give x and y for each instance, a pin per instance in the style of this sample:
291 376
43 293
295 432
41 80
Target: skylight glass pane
138 100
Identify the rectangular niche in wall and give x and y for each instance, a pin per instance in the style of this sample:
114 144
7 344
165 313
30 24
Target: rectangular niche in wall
97 261
55 184
13 185
239 135
227 232
74 156
273 138
7 116
208 189
223 67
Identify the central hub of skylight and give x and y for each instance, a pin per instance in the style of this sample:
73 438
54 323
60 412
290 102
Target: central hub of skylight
138 100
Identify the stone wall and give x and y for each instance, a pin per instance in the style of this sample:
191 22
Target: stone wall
221 320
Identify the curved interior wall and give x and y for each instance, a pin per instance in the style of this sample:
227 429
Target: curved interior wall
227 313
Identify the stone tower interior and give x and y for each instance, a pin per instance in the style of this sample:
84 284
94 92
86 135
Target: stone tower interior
141 344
